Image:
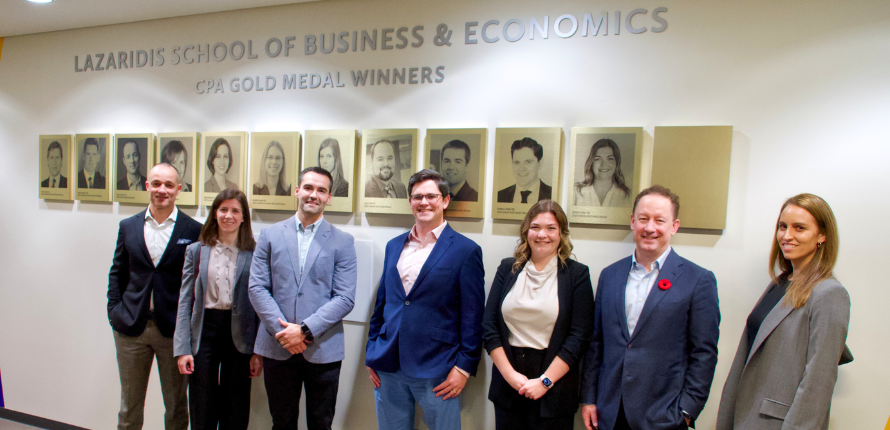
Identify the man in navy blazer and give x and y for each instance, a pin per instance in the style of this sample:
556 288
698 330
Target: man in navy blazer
302 284
425 338
143 294
656 321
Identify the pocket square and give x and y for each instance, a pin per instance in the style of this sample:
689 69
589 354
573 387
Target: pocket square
183 241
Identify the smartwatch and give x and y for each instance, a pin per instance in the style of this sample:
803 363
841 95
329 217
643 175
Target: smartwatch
546 381
305 329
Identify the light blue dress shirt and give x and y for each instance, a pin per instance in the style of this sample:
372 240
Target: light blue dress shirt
306 234
639 284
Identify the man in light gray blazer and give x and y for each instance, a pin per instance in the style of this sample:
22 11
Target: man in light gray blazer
302 284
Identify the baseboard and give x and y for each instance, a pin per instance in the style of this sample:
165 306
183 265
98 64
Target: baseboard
35 421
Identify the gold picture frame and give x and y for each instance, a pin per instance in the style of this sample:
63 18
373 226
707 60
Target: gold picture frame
397 160
339 158
93 156
235 143
133 155
274 169
181 150
462 162
536 167
52 152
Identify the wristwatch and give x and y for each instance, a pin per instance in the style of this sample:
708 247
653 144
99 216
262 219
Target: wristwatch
546 381
306 331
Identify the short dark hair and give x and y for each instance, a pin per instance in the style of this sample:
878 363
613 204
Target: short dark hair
320 171
134 144
456 144
174 148
55 145
214 149
90 141
429 175
661 191
527 142
210 231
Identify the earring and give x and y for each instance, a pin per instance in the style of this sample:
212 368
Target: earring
819 245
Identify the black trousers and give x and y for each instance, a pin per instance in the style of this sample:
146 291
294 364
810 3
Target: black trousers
219 387
285 380
525 414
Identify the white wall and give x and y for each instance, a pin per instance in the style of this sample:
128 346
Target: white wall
804 83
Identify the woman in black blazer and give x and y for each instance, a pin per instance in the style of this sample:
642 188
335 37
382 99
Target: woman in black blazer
216 325
537 324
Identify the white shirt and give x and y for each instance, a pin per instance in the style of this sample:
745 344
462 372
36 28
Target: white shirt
532 305
55 181
220 276
306 235
156 238
532 198
639 284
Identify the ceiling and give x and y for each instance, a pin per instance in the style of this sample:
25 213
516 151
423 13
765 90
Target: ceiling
19 17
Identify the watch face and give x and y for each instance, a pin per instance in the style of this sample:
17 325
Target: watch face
547 383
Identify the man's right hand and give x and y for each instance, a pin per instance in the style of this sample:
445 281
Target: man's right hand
374 378
186 364
588 413
292 338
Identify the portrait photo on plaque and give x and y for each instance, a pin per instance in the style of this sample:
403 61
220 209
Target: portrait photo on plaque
387 164
526 169
93 165
334 151
604 173
223 163
274 169
54 156
132 161
459 156
180 150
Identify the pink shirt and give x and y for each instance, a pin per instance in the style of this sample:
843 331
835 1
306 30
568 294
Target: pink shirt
417 249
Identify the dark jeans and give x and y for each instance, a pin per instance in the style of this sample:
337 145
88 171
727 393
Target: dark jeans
284 383
526 413
219 387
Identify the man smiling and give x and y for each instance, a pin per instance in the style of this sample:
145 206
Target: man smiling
453 165
130 157
425 338
89 176
382 183
525 155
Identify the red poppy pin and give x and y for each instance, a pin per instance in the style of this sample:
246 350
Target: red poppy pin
664 284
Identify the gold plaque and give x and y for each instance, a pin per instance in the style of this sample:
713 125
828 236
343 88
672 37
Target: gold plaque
604 174
388 157
459 156
334 151
181 151
274 168
223 163
133 153
526 168
694 163
54 153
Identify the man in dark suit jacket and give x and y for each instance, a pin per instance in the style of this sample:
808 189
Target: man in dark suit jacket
453 162
425 338
656 321
143 293
54 159
382 183
133 180
89 176
526 157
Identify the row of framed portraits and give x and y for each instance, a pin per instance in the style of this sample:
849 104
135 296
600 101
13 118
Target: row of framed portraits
370 173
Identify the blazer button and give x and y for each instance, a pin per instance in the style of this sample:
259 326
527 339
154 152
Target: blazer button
628 347
299 294
407 302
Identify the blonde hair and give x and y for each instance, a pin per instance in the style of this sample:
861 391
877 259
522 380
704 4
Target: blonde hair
523 251
820 267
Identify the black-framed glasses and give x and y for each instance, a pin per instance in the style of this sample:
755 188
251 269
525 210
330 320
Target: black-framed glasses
432 198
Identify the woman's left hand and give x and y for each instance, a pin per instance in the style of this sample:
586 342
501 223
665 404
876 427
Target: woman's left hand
533 389
256 365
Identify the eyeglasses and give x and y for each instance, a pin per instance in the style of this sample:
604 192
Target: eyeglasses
432 198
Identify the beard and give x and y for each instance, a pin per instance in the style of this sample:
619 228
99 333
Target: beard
384 174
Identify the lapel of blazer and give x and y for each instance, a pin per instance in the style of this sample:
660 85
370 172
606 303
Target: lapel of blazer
620 283
438 251
201 282
672 272
178 226
243 260
138 231
772 320
319 241
292 242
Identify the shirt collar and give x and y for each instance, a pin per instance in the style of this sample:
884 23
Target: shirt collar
311 227
659 262
383 186
172 216
223 247
436 232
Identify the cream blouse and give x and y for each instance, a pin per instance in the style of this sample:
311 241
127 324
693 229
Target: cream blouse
532 305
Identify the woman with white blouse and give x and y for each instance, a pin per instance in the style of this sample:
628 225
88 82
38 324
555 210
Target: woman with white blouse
216 325
537 324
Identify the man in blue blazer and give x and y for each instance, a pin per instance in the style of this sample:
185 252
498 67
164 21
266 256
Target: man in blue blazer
425 338
656 321
143 294
302 284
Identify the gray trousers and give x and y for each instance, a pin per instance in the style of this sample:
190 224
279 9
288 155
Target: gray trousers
134 357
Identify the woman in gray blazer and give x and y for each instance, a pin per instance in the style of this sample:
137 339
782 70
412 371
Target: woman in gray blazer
786 364
216 325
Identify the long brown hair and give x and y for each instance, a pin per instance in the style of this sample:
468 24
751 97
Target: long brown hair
523 251
820 267
210 231
617 176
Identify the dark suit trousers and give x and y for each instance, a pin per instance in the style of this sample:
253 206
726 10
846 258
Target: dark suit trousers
621 421
219 387
285 380
525 414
